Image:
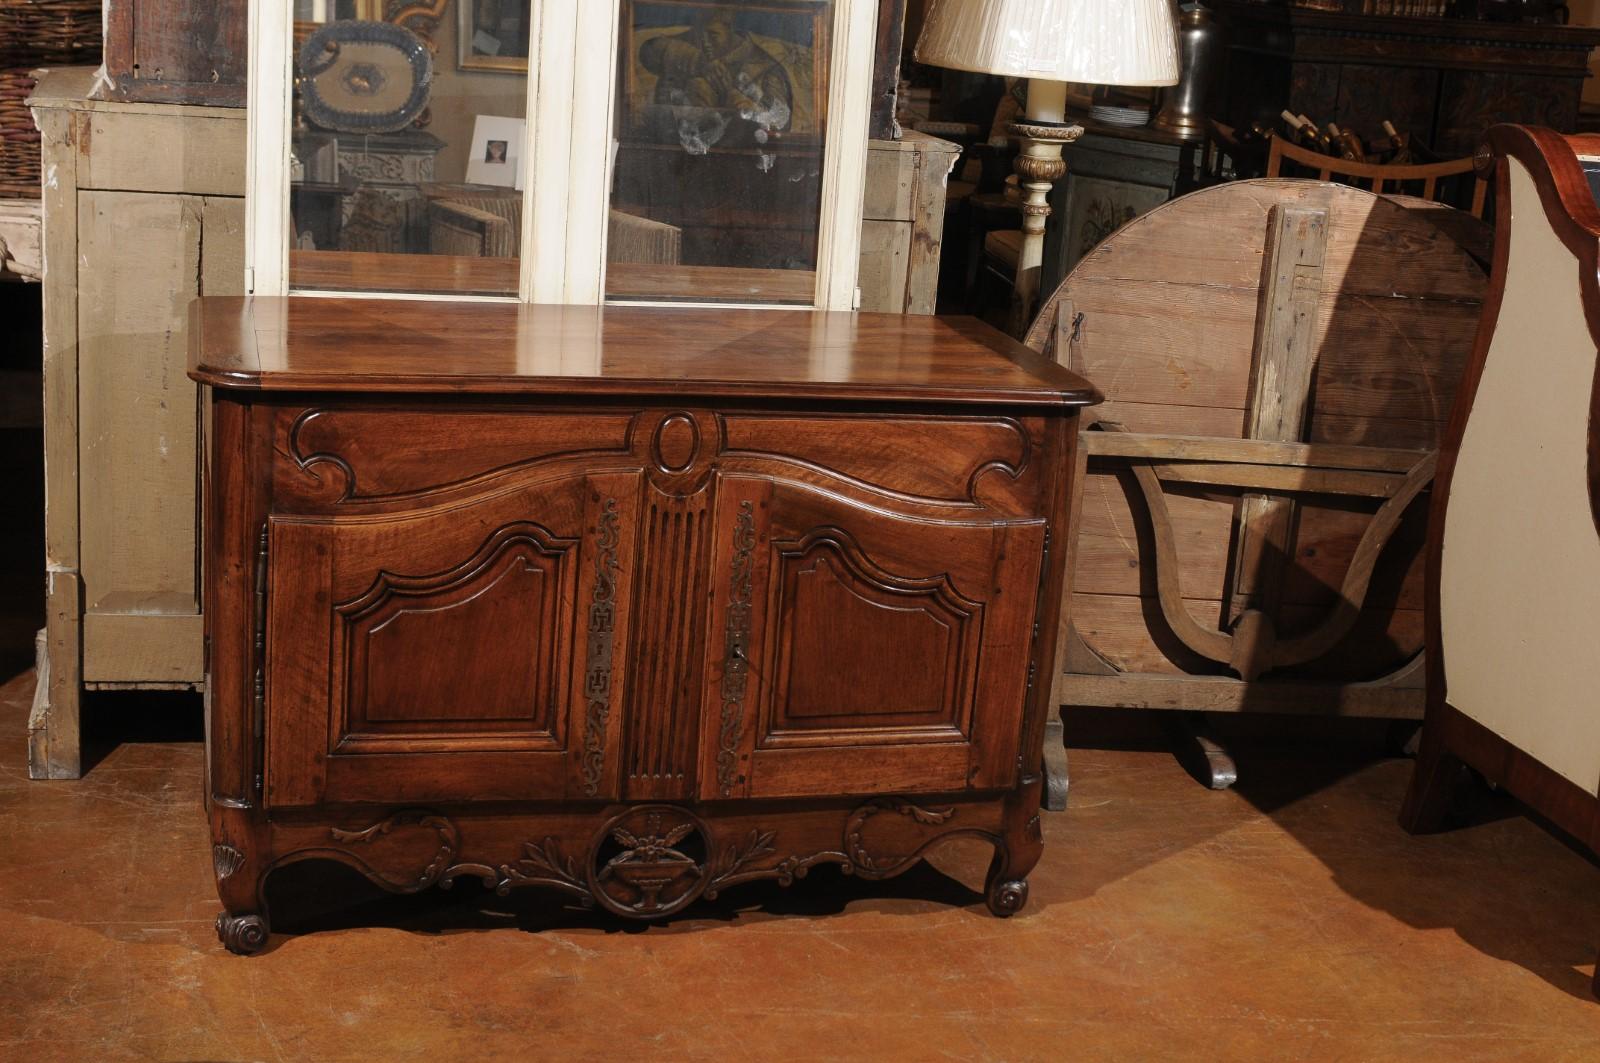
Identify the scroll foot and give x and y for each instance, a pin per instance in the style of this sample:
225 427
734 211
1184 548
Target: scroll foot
1006 897
242 934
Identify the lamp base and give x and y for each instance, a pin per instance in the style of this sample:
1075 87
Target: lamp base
1039 165
1187 126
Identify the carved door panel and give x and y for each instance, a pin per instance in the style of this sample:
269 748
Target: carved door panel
463 653
855 650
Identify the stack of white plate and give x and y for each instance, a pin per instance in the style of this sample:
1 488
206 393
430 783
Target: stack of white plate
1126 116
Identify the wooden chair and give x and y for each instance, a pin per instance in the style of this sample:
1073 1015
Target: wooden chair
1279 358
1513 601
1433 177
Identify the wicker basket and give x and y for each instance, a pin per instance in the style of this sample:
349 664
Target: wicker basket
19 140
39 32
35 33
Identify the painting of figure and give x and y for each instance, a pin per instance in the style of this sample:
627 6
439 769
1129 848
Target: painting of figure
708 75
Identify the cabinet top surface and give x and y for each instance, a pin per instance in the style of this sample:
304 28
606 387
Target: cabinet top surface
385 345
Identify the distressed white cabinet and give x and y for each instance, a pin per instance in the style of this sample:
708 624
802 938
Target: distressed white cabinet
143 211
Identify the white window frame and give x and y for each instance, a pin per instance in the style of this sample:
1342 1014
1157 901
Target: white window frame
572 74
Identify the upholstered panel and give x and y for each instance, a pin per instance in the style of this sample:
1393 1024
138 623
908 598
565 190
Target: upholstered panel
1520 586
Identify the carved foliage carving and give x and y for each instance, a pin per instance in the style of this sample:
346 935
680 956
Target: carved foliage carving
736 646
602 629
544 864
868 864
646 862
444 854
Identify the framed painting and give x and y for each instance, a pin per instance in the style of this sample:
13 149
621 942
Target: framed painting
710 73
493 35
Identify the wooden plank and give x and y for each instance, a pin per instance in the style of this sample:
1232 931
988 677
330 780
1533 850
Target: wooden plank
137 406
1221 694
1391 358
163 153
1250 451
53 724
891 181
69 87
1154 418
1374 245
53 734
1352 429
886 68
885 248
1275 479
1283 353
222 246
1281 372
1171 344
935 159
133 648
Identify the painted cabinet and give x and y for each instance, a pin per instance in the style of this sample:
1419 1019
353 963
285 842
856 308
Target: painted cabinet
131 236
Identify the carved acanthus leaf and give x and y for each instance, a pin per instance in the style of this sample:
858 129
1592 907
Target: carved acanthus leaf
449 843
544 864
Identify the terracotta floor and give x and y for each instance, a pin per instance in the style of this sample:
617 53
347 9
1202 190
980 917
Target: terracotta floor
1287 920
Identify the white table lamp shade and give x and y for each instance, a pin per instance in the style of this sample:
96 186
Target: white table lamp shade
1098 42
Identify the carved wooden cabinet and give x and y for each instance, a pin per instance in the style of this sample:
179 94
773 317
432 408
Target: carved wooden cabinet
637 604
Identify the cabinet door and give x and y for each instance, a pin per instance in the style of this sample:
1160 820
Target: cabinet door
450 654
856 650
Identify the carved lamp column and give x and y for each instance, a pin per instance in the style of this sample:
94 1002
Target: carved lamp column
1050 42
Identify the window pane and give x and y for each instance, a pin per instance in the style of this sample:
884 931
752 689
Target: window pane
721 112
407 145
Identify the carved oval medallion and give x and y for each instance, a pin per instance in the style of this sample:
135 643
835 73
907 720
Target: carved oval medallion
648 862
676 443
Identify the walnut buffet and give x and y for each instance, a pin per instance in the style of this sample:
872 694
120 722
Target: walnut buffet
636 604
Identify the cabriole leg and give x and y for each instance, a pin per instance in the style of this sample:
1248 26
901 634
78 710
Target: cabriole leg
239 861
1016 852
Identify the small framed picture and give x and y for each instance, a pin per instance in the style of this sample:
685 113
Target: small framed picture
493 35
495 157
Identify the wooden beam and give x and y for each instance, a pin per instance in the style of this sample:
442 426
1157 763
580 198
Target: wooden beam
1271 478
1280 399
1226 694
1250 451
